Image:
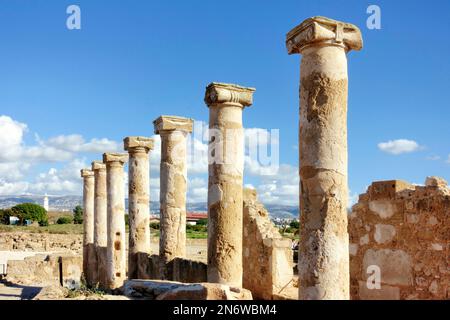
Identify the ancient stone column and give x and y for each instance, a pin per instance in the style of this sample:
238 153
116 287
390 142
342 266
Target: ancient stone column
89 263
324 249
138 205
100 221
225 189
115 253
173 180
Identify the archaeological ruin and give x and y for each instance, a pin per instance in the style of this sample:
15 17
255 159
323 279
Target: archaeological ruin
394 244
400 228
400 233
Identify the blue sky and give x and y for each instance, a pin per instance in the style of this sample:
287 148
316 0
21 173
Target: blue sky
135 60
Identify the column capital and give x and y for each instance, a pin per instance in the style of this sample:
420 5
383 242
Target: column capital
133 143
115 157
320 31
98 165
173 123
229 94
86 173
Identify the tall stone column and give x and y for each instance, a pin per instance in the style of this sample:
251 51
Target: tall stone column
323 253
115 252
225 189
89 263
138 205
173 180
100 221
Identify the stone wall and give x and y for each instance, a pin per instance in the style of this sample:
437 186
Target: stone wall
267 256
46 270
405 231
178 269
24 241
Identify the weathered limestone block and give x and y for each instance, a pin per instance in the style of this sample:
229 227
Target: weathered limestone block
436 182
384 233
408 238
178 269
170 290
225 199
116 254
384 293
70 271
100 220
138 202
323 251
267 256
173 184
89 254
395 265
47 270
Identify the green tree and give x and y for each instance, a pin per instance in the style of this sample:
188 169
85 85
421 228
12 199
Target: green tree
202 222
154 225
4 215
64 220
78 215
31 211
294 224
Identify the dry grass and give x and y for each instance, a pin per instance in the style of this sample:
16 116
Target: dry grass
53 228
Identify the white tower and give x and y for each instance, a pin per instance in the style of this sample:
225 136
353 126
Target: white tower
46 207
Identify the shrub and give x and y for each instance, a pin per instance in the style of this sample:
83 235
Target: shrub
294 224
202 222
31 211
64 220
196 228
78 215
4 216
154 225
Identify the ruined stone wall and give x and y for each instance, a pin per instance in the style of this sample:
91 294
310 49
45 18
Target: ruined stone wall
178 269
405 231
23 241
267 257
46 270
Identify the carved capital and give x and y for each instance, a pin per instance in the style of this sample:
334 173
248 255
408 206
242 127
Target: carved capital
319 31
173 123
98 165
86 173
122 158
228 94
131 143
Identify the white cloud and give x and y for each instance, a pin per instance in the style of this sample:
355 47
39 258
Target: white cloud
433 157
399 146
76 143
18 159
448 159
280 187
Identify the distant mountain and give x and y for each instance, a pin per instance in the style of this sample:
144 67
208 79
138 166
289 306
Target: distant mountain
67 203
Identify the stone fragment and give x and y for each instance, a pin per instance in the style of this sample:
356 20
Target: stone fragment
384 233
395 265
436 182
170 290
268 257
